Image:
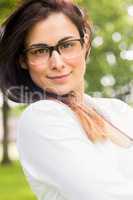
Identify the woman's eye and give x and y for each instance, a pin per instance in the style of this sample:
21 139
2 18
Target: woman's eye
67 45
39 51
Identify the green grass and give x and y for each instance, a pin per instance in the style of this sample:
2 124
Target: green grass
13 185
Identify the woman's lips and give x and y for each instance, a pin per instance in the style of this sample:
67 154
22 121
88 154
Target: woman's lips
61 78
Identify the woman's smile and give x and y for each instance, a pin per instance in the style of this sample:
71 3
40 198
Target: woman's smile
60 78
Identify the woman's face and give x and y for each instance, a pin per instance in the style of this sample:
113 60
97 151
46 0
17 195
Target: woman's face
57 74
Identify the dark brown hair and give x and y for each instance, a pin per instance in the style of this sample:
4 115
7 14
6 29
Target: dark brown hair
15 81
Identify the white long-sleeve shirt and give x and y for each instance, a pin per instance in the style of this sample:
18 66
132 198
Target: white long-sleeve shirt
61 163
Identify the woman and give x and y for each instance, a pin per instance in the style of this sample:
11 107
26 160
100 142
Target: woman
71 146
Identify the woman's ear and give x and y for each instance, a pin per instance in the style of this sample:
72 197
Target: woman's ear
87 41
23 62
87 44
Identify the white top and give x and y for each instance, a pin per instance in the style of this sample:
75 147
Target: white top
61 163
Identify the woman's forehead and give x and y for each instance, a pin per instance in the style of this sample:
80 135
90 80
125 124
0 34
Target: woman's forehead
52 29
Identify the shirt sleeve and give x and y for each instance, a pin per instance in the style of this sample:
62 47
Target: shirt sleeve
51 148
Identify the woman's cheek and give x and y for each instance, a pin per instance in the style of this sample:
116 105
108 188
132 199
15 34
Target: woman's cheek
39 68
75 62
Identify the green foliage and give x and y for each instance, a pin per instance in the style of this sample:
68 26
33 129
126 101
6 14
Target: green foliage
13 184
109 17
6 7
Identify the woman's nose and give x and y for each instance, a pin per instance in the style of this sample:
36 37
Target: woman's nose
56 62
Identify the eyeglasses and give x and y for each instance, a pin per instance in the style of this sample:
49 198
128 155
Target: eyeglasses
40 53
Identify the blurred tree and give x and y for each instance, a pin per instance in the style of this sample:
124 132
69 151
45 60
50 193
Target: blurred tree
111 61
5 110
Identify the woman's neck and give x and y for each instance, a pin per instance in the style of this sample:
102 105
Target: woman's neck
79 94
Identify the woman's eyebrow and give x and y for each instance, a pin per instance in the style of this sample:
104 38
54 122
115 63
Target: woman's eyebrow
46 45
64 39
38 45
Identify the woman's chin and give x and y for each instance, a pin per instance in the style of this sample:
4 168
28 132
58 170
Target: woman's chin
60 92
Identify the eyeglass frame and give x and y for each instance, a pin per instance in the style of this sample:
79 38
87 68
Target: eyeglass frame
52 48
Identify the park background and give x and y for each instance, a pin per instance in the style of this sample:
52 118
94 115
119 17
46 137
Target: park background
109 74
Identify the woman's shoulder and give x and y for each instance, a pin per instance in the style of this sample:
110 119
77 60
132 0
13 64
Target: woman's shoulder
46 107
46 102
51 118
